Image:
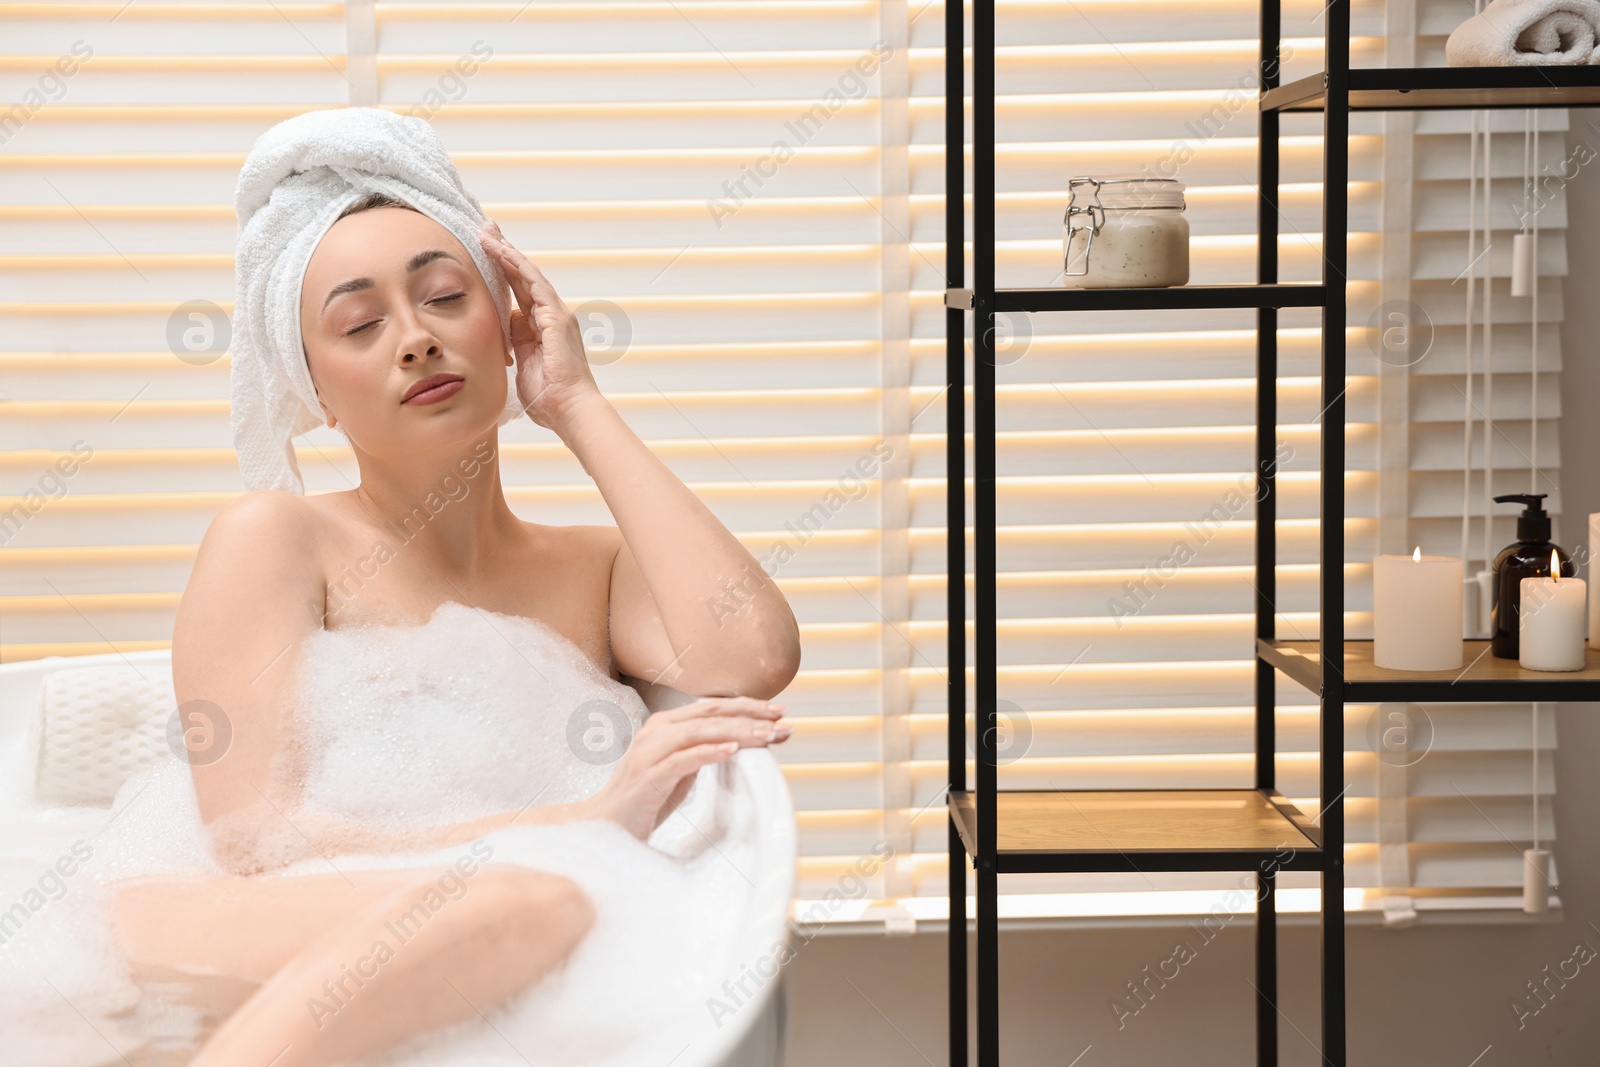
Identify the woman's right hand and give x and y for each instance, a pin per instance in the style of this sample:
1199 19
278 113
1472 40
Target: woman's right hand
658 767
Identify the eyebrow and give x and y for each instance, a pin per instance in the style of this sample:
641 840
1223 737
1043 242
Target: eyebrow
414 264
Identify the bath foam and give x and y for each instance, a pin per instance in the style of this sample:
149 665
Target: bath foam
475 716
467 714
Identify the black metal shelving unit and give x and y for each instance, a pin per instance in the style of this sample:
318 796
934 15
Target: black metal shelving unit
1252 829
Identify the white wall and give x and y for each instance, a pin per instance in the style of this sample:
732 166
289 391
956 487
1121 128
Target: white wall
1425 995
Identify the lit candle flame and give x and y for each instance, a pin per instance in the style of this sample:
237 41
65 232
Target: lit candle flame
1555 566
1416 554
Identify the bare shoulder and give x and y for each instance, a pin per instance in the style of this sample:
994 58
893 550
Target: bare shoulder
271 511
259 545
266 528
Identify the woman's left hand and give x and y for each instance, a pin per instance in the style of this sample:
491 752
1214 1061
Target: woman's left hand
552 368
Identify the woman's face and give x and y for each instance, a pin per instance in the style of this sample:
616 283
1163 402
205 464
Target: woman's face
389 298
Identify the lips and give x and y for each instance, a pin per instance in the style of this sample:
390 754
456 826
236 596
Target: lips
430 382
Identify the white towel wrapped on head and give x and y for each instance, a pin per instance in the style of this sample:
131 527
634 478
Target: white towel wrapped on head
1527 33
299 176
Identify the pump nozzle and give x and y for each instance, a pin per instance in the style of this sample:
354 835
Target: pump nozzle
1534 522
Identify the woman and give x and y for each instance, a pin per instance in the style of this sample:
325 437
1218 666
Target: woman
406 351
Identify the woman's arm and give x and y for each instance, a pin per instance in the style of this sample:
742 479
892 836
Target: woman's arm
690 607
250 602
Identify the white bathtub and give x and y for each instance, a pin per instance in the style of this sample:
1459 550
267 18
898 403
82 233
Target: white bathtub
753 1036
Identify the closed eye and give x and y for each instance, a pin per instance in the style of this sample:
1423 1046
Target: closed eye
437 300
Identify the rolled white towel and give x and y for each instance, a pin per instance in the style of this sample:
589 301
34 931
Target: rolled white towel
1527 33
298 178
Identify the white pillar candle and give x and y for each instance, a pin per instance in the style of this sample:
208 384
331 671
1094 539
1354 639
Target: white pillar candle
1550 622
1594 600
1416 612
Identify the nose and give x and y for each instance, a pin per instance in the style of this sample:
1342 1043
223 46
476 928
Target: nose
416 341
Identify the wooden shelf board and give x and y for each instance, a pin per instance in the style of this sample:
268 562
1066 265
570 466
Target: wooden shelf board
1482 675
1036 822
1177 297
1447 88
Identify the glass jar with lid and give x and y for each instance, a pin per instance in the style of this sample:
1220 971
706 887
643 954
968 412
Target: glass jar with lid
1125 232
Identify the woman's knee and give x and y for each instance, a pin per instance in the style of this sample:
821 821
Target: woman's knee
549 899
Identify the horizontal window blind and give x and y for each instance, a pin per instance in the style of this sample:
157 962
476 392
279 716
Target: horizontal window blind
1453 817
744 202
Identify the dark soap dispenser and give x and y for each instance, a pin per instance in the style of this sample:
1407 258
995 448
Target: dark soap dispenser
1529 557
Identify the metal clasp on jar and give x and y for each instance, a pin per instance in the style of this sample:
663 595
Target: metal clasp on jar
1090 217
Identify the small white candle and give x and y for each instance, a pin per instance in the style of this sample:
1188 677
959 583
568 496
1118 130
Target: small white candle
1416 612
1550 622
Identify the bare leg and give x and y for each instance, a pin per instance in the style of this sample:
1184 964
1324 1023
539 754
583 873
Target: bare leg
352 970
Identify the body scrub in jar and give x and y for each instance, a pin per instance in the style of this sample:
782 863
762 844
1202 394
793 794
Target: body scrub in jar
1126 233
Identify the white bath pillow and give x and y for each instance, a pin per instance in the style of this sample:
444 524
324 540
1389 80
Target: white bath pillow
93 727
